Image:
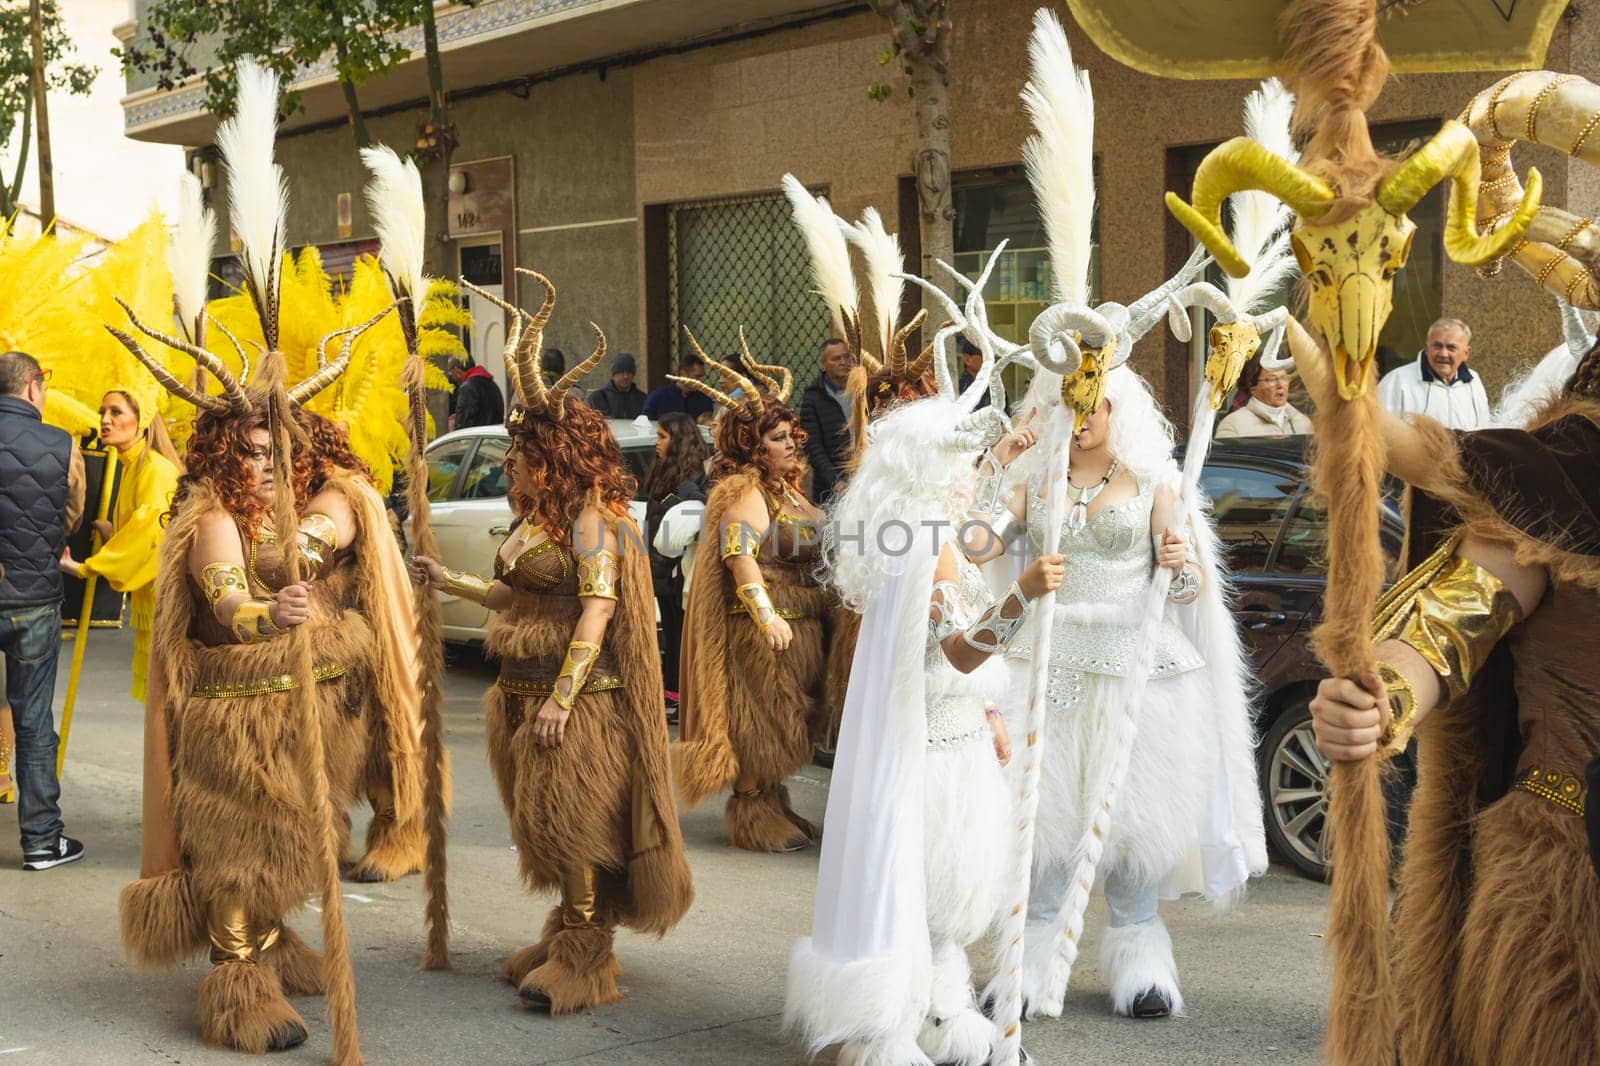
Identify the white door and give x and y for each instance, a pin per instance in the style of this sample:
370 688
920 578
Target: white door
480 264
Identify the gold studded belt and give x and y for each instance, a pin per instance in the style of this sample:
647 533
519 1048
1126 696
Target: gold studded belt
790 613
1563 789
225 690
537 677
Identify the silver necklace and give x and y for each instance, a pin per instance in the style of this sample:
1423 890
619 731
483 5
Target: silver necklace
1081 498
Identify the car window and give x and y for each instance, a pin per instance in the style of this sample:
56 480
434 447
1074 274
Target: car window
443 462
486 475
1249 506
1305 539
638 460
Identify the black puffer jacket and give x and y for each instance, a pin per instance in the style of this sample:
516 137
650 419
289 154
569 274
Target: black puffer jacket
35 460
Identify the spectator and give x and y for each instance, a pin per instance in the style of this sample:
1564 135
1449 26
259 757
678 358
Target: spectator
825 416
681 398
1267 412
478 398
41 500
971 363
552 364
622 398
1439 383
678 473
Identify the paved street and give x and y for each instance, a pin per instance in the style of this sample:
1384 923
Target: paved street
710 993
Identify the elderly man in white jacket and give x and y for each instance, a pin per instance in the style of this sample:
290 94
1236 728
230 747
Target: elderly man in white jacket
1439 383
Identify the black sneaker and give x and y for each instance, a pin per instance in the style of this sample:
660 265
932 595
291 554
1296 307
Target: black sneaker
58 853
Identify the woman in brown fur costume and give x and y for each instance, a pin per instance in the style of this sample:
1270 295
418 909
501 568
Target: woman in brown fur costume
753 656
576 736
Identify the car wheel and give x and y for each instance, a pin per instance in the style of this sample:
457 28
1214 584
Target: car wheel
1294 790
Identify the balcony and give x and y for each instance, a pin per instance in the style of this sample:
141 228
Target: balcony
496 41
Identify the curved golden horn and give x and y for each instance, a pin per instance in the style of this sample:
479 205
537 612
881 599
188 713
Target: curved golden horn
556 399
1237 166
166 378
1453 154
750 407
541 318
329 372
924 360
508 354
899 362
232 394
757 370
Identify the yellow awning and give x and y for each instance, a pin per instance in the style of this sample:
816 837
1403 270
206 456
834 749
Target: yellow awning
1199 39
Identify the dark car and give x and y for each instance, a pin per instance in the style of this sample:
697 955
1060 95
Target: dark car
1275 533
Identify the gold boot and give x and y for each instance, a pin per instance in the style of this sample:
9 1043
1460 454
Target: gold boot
241 1003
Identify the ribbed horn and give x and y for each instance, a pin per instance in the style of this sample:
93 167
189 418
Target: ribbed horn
508 354
898 360
166 378
541 318
232 394
329 373
777 380
555 400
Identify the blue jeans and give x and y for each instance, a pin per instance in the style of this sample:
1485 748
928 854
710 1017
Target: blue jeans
30 638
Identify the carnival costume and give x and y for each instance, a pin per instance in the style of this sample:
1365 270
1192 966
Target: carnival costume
594 816
920 827
750 715
256 735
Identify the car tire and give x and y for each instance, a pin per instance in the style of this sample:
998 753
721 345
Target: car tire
1294 792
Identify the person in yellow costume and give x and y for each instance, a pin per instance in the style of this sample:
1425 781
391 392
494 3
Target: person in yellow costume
131 539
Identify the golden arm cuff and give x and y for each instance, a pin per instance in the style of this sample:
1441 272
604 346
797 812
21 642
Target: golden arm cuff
758 602
739 539
1453 620
253 624
581 656
467 586
319 539
220 580
1402 712
597 574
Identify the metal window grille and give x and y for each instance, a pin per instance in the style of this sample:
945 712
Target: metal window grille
743 263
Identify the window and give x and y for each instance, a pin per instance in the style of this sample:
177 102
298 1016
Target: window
443 463
1305 538
1249 507
486 476
638 461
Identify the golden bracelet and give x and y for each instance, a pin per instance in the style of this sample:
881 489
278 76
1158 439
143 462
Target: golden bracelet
253 624
597 574
758 603
467 586
1402 712
574 670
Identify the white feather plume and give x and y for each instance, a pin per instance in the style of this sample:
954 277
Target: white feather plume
189 252
1060 155
830 255
394 198
258 199
1260 220
885 262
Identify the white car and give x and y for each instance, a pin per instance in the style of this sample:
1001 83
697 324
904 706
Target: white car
471 514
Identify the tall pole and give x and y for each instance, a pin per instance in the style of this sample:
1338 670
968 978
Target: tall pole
47 190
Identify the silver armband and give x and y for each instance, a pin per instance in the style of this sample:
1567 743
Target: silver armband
1185 586
996 626
944 613
1008 528
987 498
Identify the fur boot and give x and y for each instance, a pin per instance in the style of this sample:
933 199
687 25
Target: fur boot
394 849
896 1051
758 822
297 964
161 923
580 972
1136 958
813 834
241 1006
956 1032
520 962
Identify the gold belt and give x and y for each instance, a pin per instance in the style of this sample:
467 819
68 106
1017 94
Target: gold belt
1563 789
790 613
537 677
223 690
517 686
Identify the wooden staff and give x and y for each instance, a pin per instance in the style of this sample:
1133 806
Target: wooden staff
81 643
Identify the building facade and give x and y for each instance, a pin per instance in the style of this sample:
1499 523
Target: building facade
632 150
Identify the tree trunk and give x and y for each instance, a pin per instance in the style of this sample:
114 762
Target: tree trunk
47 185
11 193
436 171
931 97
352 103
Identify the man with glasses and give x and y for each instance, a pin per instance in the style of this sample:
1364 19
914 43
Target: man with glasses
41 501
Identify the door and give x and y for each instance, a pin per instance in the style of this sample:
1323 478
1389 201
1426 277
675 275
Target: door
482 264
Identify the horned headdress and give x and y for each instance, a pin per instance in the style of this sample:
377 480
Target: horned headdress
775 383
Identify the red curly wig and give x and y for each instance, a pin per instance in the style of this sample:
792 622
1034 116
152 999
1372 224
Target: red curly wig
741 445
219 450
569 465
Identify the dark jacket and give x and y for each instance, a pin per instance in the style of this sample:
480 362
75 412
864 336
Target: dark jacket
667 399
827 438
668 581
478 400
35 462
613 403
965 381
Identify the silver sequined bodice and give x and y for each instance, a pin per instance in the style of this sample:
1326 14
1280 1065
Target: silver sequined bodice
956 701
1109 564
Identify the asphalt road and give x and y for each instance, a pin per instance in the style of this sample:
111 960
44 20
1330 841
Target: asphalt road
710 993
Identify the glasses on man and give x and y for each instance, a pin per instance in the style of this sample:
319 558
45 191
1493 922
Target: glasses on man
42 375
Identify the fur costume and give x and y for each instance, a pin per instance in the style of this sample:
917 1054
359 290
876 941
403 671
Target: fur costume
747 711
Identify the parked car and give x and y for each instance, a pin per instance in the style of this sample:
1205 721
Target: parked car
471 514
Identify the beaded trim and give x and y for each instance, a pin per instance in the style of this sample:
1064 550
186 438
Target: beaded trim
1583 134
1562 789
227 690
593 683
790 613
1553 85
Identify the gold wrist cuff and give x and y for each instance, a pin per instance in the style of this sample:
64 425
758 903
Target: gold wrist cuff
1453 619
597 574
739 539
253 624
1402 712
758 603
467 586
581 656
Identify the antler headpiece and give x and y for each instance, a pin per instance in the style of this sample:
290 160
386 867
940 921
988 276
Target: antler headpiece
752 406
524 344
